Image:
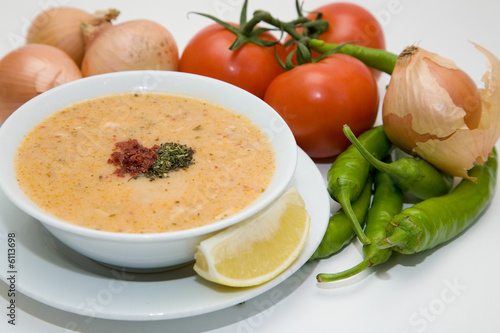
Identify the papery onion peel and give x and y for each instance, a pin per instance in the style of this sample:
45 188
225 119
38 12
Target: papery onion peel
434 110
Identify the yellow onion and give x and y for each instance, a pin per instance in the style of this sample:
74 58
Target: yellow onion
132 45
60 27
31 70
434 110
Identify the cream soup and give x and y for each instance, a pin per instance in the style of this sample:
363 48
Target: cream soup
62 164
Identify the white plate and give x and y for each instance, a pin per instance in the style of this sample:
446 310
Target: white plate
53 274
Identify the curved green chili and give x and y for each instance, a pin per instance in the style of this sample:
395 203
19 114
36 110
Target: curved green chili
349 172
375 58
434 221
387 202
339 231
412 174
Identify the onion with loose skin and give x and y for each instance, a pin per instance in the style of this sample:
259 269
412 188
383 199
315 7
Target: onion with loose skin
132 45
60 27
434 110
31 70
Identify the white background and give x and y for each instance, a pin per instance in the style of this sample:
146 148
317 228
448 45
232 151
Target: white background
451 289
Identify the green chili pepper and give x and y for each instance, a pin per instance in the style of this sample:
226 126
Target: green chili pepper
434 221
412 174
375 58
339 231
349 172
387 202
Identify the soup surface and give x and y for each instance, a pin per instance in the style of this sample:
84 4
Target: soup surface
62 164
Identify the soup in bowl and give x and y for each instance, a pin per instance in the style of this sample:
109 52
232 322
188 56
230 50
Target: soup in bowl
134 169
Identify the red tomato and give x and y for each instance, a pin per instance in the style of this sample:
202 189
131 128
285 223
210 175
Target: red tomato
251 67
350 22
317 99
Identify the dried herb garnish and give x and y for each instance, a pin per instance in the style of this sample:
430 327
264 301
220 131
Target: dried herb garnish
171 156
155 162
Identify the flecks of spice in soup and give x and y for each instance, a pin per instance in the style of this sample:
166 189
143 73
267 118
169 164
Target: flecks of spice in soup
62 163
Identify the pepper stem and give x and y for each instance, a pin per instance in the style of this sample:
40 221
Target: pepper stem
330 277
344 200
398 238
377 164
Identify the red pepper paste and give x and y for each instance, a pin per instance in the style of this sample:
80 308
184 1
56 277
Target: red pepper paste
133 158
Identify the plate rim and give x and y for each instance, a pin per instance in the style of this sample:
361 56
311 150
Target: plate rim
319 221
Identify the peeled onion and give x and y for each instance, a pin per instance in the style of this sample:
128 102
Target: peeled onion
132 45
60 27
31 70
434 110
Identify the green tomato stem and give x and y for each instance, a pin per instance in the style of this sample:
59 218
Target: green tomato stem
376 58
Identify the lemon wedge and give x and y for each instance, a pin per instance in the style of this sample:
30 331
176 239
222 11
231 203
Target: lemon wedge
256 250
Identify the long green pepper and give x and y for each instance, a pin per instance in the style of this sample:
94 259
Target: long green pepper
375 58
432 222
339 231
413 175
387 202
350 170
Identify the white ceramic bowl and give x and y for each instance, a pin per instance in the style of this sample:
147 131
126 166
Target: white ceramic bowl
143 251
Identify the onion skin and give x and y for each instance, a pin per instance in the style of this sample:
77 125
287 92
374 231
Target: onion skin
132 45
31 70
434 110
60 27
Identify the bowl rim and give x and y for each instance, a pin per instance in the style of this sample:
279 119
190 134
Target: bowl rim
46 218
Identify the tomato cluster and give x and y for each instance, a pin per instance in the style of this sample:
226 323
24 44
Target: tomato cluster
315 99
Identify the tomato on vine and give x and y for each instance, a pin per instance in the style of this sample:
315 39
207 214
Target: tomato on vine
348 22
317 99
316 94
241 54
251 66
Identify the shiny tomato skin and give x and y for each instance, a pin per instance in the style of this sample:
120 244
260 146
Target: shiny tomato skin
251 67
317 99
349 22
